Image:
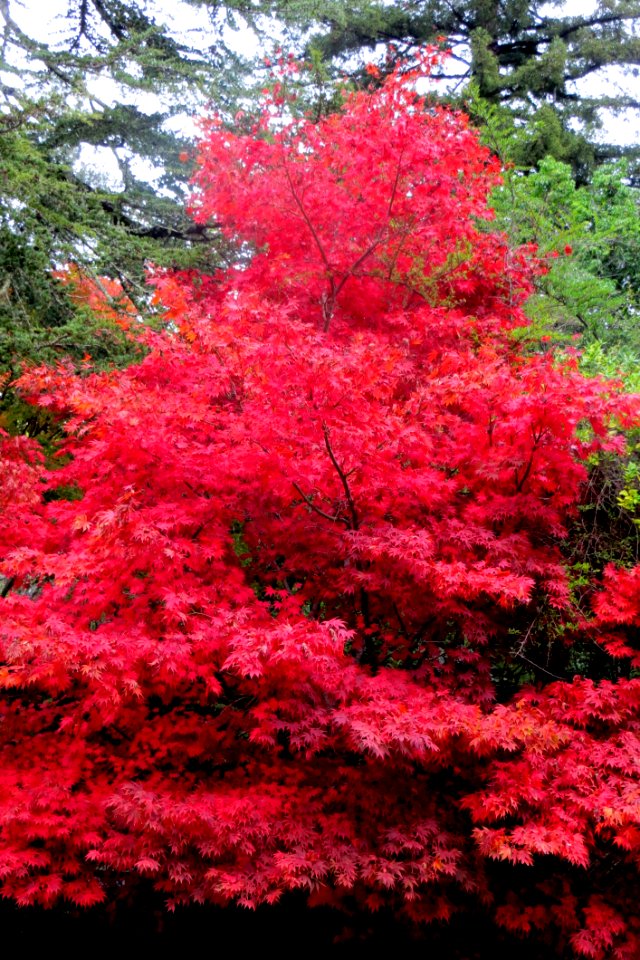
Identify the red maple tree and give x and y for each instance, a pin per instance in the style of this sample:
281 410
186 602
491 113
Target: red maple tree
318 523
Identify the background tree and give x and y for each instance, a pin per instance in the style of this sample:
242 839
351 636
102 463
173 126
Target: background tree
55 209
111 77
528 57
589 238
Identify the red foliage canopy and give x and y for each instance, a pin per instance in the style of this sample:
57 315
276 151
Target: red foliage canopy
319 521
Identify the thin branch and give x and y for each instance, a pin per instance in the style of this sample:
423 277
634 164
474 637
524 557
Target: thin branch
355 522
459 14
418 636
403 626
538 667
591 22
328 299
53 344
395 182
327 516
6 584
369 654
42 52
305 216
350 272
110 22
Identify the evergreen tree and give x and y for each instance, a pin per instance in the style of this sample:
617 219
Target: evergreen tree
529 56
56 210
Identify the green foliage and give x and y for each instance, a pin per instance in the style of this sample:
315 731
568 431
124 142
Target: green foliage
629 496
45 221
589 237
55 209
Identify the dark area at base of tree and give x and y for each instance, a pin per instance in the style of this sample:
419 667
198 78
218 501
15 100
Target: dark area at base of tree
286 927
